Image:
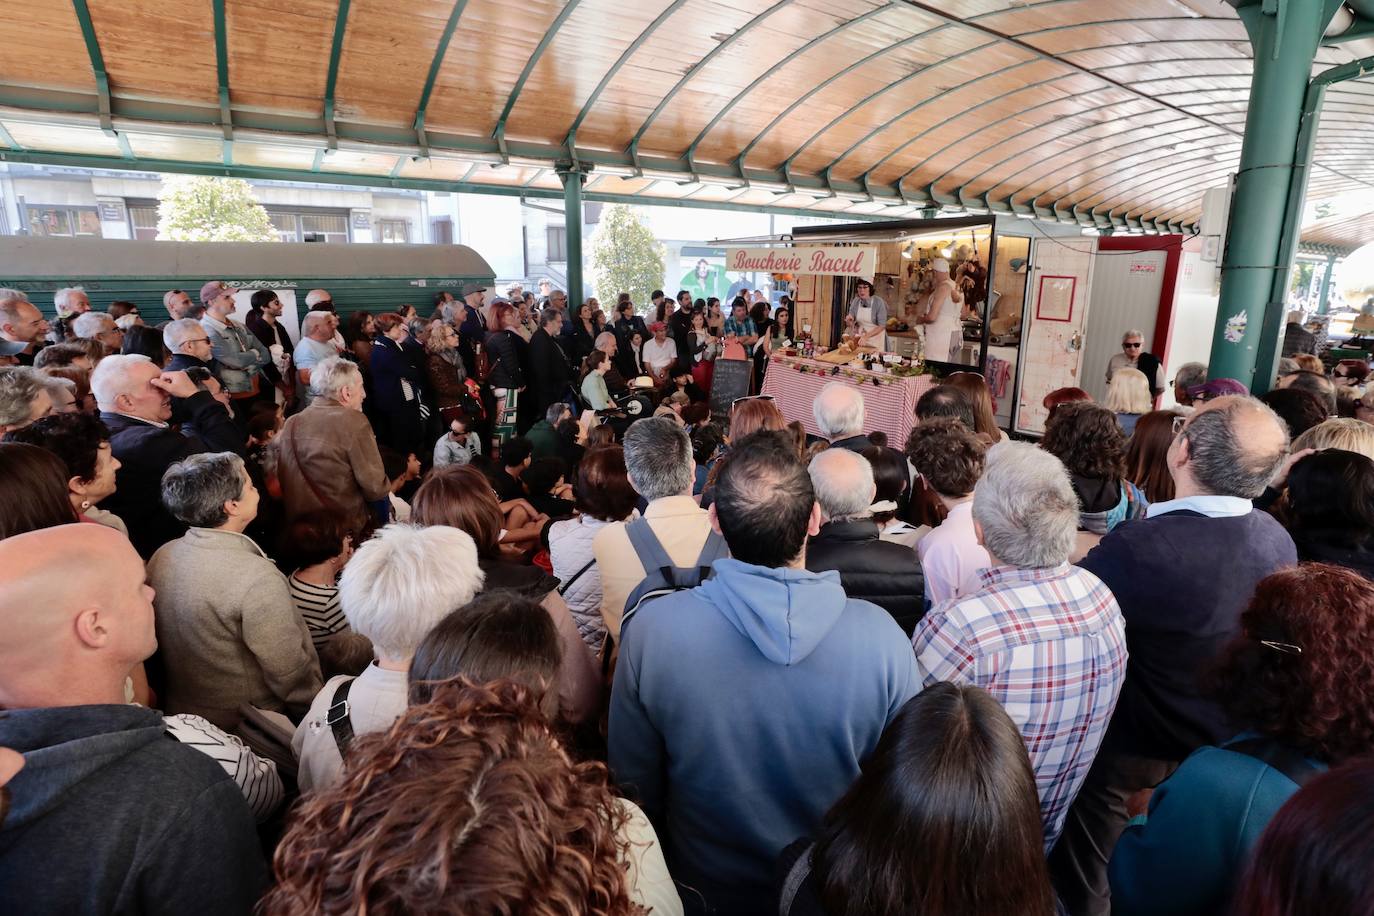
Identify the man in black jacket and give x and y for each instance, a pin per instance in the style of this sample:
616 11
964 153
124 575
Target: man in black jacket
109 814
885 573
550 373
135 400
680 328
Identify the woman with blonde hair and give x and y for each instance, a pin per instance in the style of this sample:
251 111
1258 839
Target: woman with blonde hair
1128 396
1343 433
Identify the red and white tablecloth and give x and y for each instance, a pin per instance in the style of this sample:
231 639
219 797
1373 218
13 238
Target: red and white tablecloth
889 406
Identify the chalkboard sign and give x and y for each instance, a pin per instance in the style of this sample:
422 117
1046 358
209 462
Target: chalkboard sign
730 382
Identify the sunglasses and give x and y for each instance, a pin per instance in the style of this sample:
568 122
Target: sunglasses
752 397
1134 346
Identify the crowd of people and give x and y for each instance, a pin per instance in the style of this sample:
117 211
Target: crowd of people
416 614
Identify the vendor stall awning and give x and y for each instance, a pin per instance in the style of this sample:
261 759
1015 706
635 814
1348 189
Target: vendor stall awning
1103 112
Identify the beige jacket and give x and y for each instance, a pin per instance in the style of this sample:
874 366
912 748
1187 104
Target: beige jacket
328 459
228 631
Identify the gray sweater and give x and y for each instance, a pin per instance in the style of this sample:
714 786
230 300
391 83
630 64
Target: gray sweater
228 630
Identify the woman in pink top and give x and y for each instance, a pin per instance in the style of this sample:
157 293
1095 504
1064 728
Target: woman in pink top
950 458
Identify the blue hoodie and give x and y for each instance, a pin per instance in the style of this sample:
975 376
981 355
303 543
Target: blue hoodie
740 713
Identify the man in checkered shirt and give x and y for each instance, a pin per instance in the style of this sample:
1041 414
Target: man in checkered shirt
1045 638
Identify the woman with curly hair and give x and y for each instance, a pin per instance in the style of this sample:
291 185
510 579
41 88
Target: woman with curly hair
1295 683
1088 439
469 804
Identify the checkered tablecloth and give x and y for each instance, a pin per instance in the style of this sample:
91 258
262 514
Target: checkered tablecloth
889 406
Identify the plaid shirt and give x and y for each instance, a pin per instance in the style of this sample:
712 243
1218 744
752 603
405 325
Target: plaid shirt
1050 645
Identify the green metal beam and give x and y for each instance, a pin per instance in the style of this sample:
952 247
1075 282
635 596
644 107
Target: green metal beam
335 52
421 138
1324 297
895 151
8 139
399 164
1020 152
226 114
959 87
1279 123
102 78
73 160
624 58
825 83
318 160
877 92
499 134
573 177
773 70
633 149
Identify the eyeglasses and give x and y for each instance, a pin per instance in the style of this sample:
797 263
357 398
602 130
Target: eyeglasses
1132 346
1179 423
752 397
1285 647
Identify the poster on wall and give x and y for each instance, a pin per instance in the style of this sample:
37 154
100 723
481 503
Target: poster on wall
840 261
705 276
1055 302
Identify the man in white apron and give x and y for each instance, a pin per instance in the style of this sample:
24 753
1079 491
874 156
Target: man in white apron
942 316
868 317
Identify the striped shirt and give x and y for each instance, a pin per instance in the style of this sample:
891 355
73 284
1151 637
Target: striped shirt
318 605
255 776
1050 645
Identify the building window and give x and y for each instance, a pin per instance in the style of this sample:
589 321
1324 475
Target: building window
143 221
392 231
557 243
71 222
309 225
441 229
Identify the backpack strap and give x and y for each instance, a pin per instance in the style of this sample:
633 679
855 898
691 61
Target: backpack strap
648 547
1286 760
338 717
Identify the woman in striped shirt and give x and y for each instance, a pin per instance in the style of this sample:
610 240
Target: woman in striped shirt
317 545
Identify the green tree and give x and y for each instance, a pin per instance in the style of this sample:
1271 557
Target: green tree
625 257
202 208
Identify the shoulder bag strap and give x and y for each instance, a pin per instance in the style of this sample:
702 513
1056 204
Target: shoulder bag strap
563 589
339 717
300 467
796 877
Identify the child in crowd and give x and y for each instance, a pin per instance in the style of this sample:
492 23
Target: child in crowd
460 446
400 470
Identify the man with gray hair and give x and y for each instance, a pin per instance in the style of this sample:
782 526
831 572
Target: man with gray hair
98 326
1182 575
24 397
1188 376
885 573
1046 639
839 413
1133 356
658 459
70 301
135 400
327 456
178 304
22 325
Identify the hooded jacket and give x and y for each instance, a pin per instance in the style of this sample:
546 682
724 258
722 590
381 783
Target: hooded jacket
740 712
111 815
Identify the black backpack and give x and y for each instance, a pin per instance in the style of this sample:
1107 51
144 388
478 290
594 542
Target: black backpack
661 577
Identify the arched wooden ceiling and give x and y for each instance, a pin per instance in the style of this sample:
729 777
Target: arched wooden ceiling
1109 113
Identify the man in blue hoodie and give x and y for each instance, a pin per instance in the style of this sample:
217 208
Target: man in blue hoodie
742 709
107 814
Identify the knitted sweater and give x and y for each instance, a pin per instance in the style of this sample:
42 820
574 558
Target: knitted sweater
1182 580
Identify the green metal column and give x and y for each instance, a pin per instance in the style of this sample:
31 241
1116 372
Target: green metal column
1285 35
1324 297
573 175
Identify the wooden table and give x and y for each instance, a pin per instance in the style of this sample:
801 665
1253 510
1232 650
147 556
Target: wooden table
889 405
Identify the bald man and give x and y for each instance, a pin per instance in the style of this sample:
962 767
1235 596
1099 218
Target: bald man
1182 576
107 814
